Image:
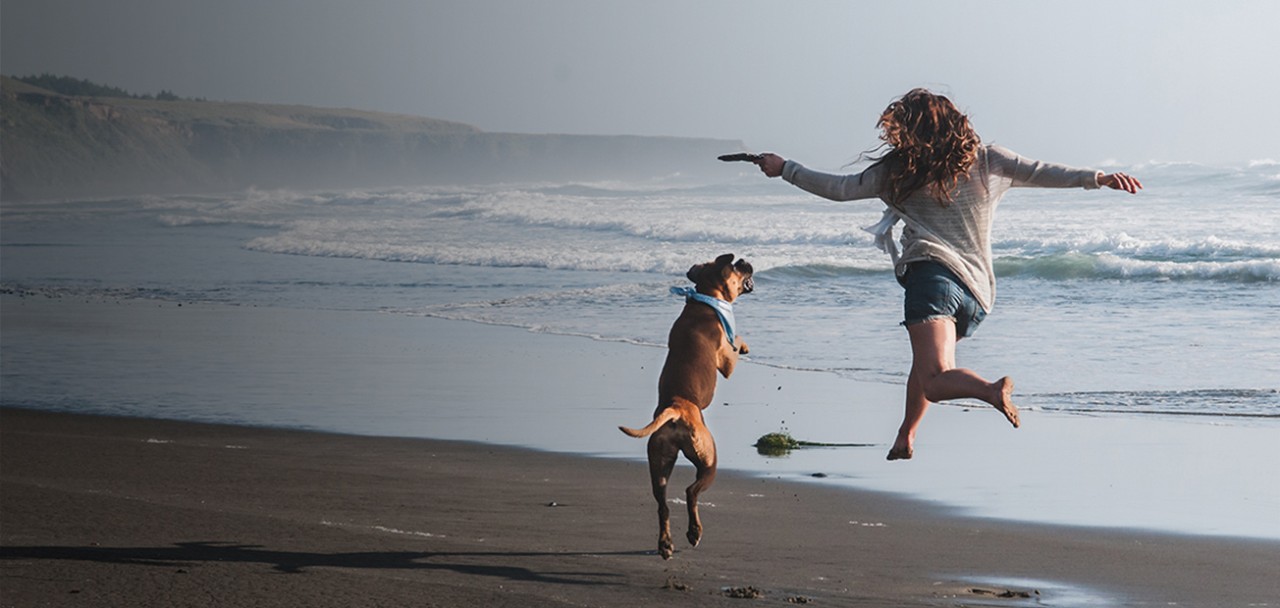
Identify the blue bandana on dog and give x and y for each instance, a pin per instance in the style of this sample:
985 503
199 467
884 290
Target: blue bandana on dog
723 309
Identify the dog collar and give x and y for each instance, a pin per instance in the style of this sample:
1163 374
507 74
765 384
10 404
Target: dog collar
723 309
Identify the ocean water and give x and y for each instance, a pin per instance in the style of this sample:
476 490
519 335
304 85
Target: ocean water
1160 304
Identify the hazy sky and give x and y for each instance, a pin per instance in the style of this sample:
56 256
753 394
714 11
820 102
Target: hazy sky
1076 82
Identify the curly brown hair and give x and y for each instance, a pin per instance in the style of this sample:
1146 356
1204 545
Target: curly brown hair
931 145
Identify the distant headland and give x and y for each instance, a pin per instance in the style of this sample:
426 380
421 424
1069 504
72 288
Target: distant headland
88 140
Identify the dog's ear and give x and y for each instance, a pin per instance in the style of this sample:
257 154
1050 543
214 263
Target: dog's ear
694 272
725 264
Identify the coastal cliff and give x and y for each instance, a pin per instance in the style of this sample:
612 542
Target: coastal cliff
55 146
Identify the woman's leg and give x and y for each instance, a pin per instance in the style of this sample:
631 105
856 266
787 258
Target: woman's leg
935 377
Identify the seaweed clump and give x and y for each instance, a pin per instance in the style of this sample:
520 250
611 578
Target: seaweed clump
776 444
781 444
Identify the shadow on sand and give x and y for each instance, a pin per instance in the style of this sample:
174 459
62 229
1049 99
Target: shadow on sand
192 553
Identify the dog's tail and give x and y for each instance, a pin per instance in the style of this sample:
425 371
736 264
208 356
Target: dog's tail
679 410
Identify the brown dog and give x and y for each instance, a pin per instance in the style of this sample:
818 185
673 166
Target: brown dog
699 346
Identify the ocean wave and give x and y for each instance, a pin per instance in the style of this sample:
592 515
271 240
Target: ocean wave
1214 180
553 256
1106 266
179 221
665 218
826 270
1205 248
1271 186
1206 261
437 241
659 229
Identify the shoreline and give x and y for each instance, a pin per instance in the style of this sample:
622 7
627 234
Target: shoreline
136 511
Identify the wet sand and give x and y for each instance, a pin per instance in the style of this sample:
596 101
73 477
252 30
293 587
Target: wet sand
105 511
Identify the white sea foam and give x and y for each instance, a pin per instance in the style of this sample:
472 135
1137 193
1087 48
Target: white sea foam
1172 249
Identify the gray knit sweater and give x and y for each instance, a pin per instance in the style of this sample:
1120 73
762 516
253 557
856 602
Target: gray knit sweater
958 235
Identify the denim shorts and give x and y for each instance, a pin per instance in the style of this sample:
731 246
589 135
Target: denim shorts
934 292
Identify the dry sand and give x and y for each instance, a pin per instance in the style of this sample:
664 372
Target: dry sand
101 511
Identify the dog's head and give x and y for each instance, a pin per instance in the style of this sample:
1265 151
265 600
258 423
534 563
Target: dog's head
723 278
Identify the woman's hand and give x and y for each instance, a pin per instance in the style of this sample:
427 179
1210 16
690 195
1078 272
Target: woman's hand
771 164
1120 181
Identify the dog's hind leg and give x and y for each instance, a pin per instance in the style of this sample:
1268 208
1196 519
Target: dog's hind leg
701 451
706 475
662 461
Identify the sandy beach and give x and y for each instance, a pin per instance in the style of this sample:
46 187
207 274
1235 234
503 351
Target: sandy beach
107 511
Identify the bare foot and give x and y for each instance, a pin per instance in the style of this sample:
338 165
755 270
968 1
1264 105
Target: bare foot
1006 405
900 453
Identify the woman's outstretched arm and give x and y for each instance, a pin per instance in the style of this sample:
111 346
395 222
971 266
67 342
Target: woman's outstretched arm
829 186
